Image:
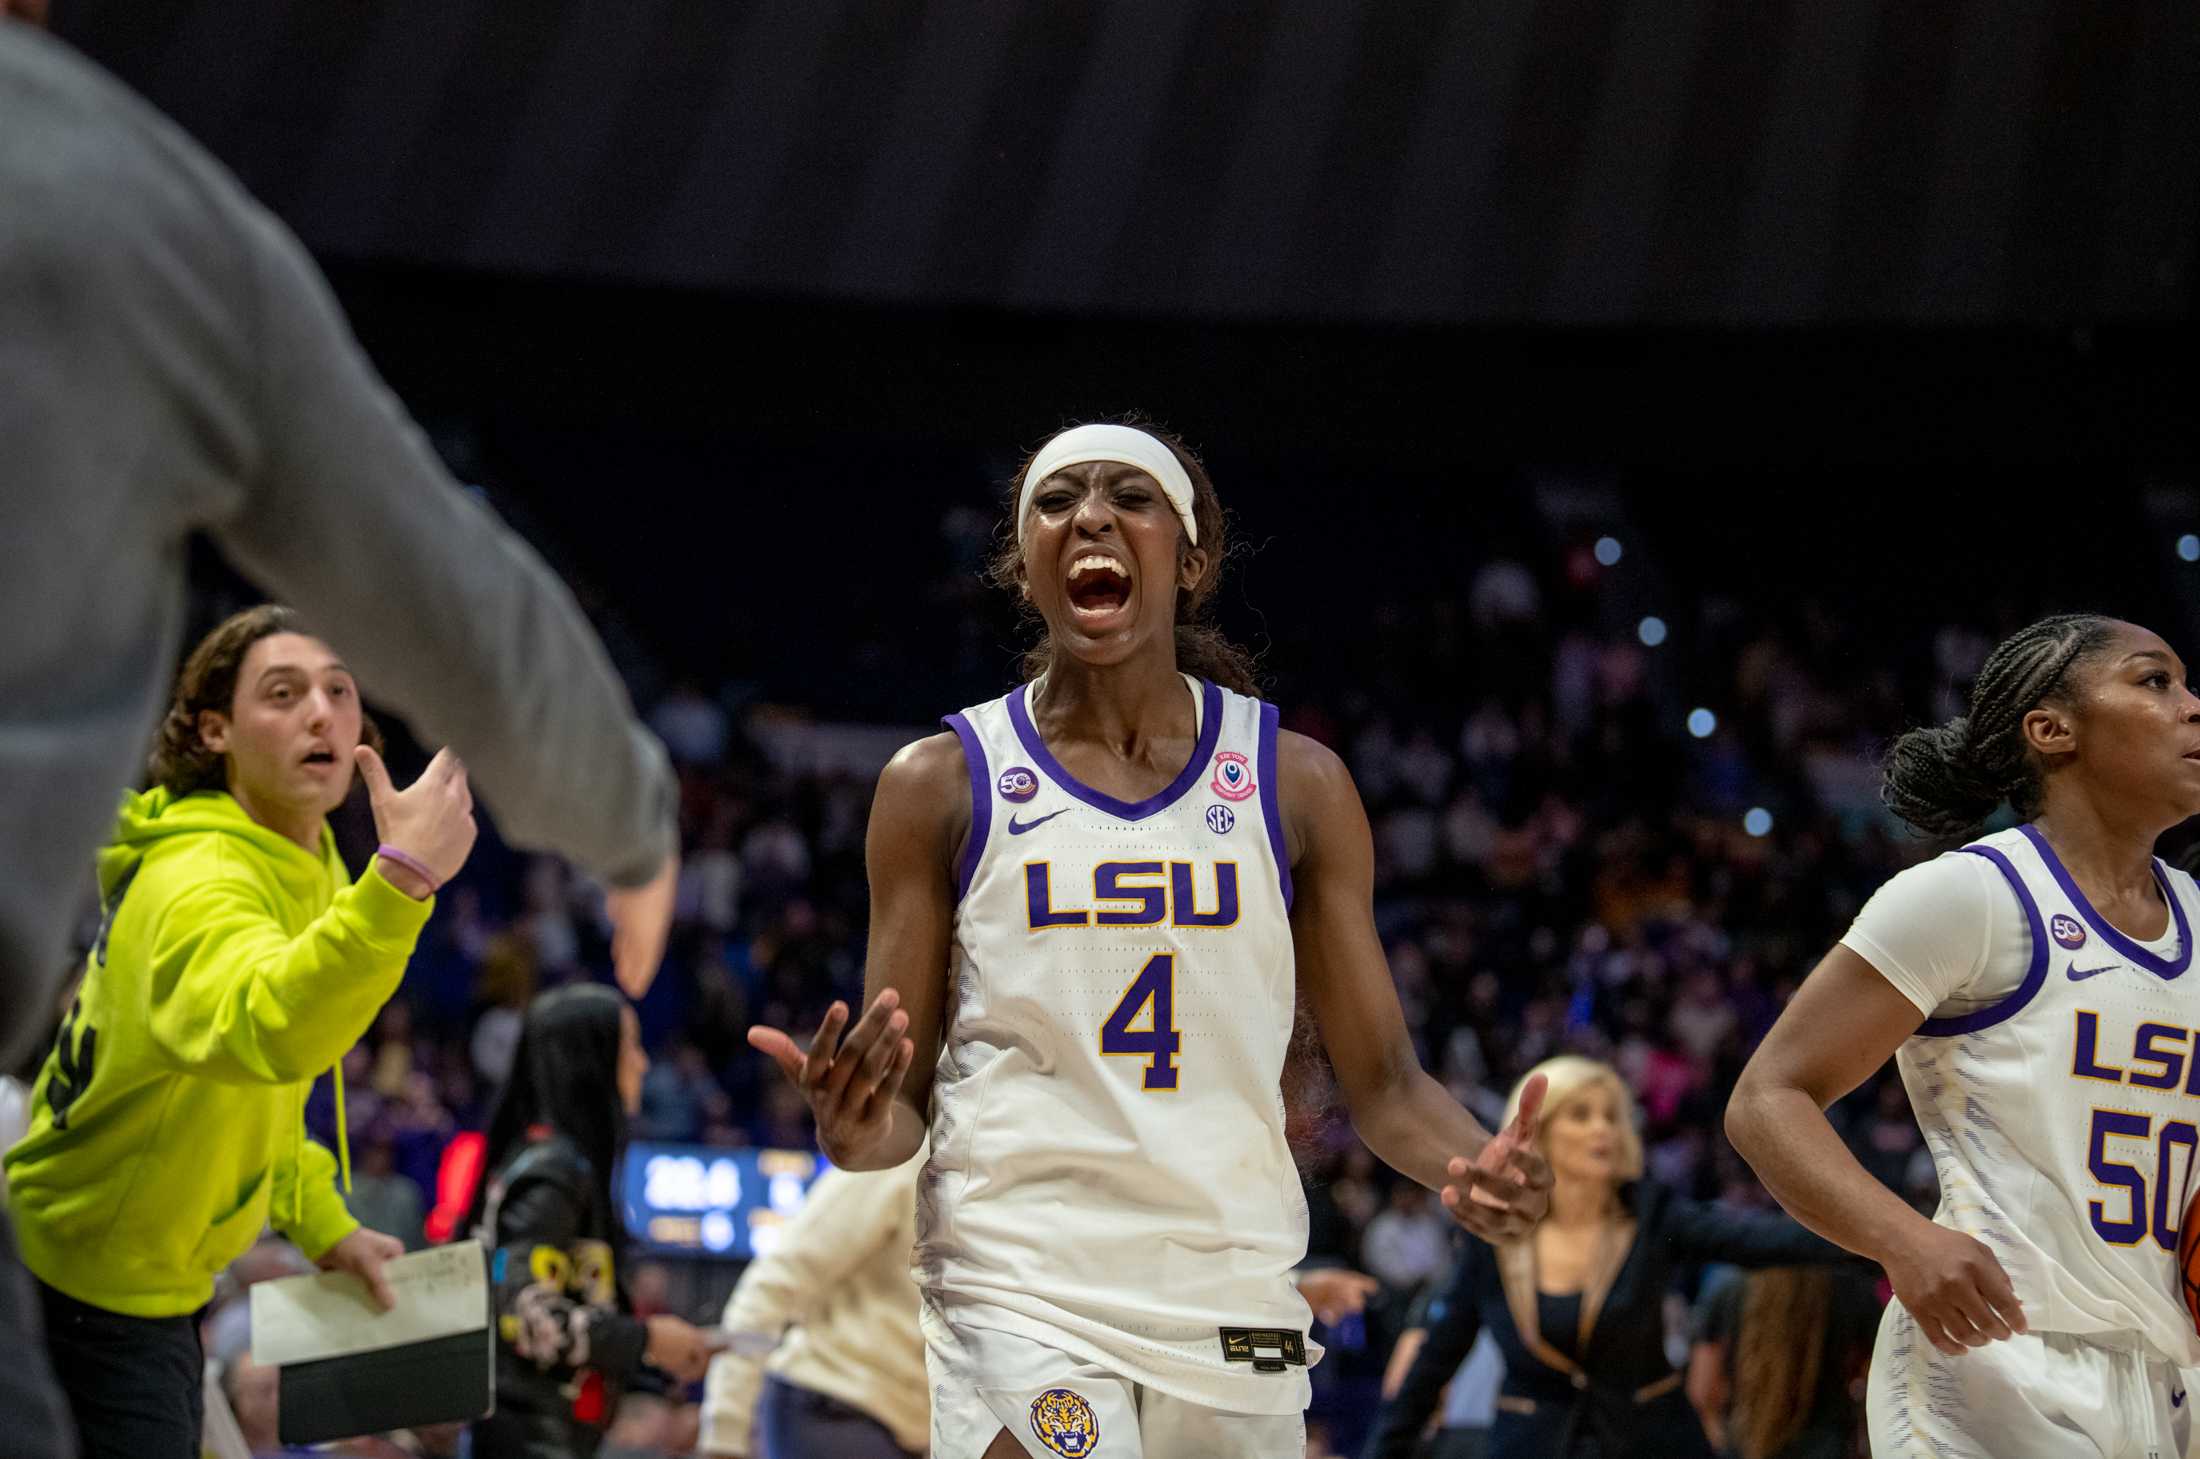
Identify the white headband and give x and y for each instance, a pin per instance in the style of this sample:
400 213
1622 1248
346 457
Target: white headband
1123 445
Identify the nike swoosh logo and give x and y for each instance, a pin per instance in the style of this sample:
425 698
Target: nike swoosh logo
1017 828
2177 1400
2079 975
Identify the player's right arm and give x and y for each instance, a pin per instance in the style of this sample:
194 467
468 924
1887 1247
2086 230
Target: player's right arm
1843 1024
871 1092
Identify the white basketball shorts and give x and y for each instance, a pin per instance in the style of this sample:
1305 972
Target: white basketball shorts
1062 1407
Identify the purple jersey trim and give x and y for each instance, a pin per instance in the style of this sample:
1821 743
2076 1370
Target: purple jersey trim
2034 976
981 803
1210 732
2165 968
1269 810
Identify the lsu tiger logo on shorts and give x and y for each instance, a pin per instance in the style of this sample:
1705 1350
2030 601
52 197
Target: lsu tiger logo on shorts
1065 1423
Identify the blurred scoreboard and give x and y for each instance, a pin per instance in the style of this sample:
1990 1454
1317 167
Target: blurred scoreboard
707 1201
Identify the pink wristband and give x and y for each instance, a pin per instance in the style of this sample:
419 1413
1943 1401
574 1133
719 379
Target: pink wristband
410 862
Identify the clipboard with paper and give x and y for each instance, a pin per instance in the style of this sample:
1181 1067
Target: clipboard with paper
349 1368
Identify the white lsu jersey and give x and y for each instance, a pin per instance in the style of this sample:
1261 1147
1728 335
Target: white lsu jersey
1109 1173
2063 1119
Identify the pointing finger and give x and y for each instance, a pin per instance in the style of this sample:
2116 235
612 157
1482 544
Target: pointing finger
374 772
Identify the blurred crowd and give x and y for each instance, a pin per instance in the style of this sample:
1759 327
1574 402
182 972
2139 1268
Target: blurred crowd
1591 837
1571 857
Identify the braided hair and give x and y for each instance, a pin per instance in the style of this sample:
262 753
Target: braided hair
1945 780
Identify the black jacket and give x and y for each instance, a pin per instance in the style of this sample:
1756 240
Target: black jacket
1626 1399
566 1347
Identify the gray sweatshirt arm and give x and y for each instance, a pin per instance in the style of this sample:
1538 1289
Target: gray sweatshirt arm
443 612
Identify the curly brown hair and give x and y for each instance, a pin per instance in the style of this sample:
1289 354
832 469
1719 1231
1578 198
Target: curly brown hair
180 760
1202 649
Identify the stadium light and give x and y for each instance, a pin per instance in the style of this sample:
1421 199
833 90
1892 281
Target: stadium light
1609 551
1758 821
1651 631
1701 723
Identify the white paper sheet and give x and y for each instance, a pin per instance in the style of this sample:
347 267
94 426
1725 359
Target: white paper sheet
440 1292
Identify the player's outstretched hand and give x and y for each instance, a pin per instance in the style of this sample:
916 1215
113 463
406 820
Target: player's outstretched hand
1956 1290
430 820
1504 1190
850 1083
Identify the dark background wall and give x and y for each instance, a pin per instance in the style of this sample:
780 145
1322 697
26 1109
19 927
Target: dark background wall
1549 161
745 309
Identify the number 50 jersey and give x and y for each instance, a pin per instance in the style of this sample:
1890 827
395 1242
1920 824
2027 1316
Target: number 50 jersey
1109 1173
2064 1119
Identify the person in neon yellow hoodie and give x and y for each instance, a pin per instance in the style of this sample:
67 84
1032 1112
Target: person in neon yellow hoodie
236 961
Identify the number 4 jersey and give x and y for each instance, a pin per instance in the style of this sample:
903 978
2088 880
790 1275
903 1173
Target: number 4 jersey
1109 1173
2063 1110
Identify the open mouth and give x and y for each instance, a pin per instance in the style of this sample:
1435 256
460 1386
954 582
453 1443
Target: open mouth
1098 585
320 757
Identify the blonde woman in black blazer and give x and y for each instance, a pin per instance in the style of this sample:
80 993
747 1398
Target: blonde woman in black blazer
1577 1306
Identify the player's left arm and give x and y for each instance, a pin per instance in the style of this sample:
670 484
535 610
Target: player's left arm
1496 1187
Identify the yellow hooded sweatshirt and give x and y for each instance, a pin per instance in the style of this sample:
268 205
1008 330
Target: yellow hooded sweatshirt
167 1125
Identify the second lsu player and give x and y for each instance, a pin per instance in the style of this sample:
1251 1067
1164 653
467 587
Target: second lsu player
1093 906
2037 990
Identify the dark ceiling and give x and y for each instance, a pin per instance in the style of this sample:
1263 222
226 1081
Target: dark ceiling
1534 161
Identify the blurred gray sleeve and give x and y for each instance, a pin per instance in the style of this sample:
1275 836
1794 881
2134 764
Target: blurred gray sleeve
441 610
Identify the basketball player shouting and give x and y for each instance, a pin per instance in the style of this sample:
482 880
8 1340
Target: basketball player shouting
1092 906
2033 988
